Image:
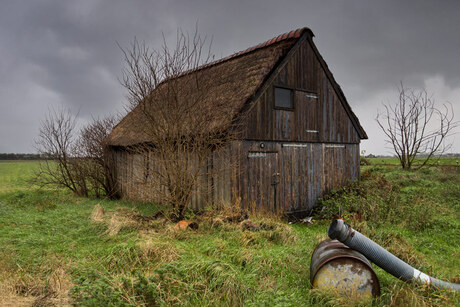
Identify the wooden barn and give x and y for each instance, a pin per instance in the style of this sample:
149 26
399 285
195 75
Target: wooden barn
299 137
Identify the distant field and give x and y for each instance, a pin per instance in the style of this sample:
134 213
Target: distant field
57 249
395 161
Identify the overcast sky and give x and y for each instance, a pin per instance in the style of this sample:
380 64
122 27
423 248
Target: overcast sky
64 53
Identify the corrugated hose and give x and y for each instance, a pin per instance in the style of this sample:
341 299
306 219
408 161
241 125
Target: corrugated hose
347 235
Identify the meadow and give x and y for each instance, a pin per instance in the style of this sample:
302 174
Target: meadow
58 249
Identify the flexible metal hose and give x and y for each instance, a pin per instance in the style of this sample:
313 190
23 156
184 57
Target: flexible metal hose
381 257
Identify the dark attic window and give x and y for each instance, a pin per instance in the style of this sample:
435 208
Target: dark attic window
283 98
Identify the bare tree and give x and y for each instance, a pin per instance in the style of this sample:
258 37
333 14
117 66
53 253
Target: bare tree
181 118
75 159
56 141
416 128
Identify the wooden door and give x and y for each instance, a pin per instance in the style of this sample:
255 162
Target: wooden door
263 181
301 181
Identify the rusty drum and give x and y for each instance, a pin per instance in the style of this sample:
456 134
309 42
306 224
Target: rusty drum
338 268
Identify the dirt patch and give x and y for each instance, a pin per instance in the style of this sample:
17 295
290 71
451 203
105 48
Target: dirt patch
122 217
144 219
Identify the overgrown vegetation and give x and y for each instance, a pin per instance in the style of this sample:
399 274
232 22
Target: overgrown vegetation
416 200
56 248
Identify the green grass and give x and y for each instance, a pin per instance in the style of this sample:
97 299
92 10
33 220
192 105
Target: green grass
52 252
15 174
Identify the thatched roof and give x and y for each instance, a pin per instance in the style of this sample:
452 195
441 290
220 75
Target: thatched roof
233 82
235 78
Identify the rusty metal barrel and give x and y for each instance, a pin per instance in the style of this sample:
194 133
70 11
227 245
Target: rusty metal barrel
340 269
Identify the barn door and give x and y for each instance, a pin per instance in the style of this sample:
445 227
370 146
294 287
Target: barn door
301 176
263 181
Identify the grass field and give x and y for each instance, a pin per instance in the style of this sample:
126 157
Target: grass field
58 249
451 161
16 174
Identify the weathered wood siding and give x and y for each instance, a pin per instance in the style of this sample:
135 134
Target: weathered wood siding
289 177
264 175
136 181
318 114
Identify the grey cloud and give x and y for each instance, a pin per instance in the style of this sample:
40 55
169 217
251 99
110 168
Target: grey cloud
65 52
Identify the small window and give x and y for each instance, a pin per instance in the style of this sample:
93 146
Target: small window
283 98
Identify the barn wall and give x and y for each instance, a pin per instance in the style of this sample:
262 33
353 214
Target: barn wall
132 175
289 176
263 175
318 115
136 180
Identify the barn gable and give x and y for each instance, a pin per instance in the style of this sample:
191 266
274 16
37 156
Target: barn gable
320 111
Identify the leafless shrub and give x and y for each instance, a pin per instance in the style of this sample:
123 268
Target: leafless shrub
96 162
181 118
56 141
415 126
75 159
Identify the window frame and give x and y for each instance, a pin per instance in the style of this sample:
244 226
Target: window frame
291 90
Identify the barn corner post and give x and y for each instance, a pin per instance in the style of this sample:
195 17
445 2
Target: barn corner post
110 169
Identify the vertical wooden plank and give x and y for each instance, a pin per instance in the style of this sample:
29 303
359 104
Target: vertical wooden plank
310 167
289 174
281 168
325 130
259 185
268 118
303 180
294 174
314 68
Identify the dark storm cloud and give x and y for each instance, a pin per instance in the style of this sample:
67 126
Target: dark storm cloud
64 52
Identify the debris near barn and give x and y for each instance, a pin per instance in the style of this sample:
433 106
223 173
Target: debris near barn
185 225
248 225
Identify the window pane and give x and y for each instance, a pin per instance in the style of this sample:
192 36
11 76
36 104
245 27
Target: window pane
283 98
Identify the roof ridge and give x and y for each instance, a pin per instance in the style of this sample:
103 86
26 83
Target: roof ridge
297 33
288 35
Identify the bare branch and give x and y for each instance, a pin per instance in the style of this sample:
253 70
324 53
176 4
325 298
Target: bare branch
415 127
75 160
